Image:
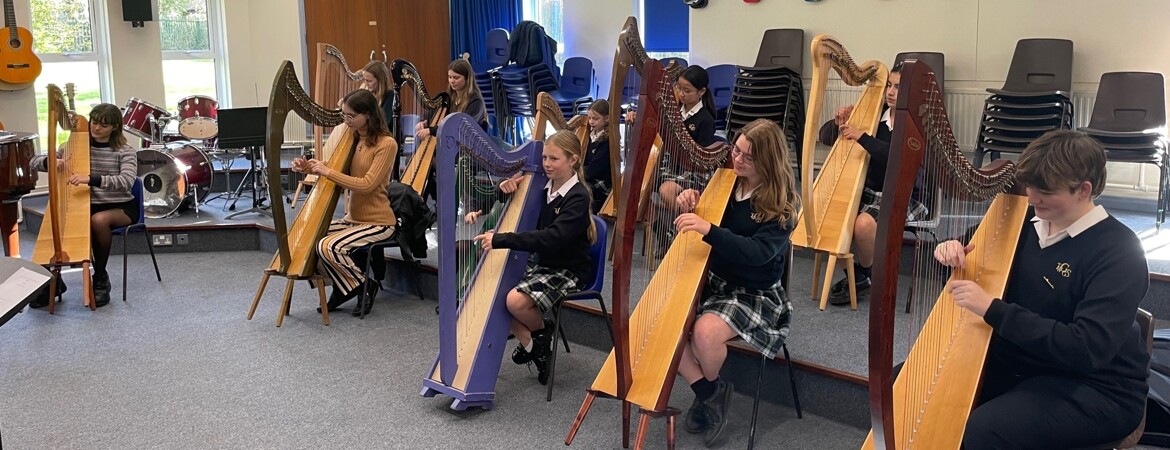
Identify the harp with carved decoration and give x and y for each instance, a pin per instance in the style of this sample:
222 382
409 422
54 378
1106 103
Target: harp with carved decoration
332 81
409 84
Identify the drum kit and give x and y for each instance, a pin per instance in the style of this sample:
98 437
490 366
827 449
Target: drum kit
176 168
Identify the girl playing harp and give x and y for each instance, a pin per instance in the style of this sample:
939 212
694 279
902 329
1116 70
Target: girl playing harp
743 295
465 98
559 247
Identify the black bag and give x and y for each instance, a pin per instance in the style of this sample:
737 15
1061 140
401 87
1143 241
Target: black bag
1157 430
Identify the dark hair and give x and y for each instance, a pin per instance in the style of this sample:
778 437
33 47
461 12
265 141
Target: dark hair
698 78
362 101
459 100
1062 159
601 106
897 67
107 114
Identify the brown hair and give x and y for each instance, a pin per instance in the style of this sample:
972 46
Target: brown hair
776 198
568 142
601 107
381 73
362 101
460 99
107 114
1062 159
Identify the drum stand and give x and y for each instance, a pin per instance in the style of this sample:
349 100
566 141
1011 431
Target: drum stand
259 183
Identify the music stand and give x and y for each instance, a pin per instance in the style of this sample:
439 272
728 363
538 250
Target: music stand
245 128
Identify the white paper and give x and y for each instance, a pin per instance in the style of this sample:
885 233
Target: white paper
18 287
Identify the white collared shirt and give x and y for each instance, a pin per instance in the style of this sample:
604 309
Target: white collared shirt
563 191
886 119
1093 217
740 195
686 114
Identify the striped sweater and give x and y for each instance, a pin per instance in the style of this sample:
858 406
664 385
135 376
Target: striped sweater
111 172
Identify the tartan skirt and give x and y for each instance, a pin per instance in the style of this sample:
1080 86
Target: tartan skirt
546 286
760 317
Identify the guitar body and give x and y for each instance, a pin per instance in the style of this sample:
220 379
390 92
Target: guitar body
19 66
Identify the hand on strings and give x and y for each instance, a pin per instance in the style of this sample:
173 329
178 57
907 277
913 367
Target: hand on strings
61 164
630 116
510 185
687 200
471 217
970 295
78 180
485 240
319 168
851 132
952 253
691 222
300 165
842 115
423 133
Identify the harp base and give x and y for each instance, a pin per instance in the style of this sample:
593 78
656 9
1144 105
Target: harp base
462 400
643 423
317 280
87 298
828 283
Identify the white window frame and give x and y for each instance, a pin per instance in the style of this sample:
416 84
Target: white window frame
100 37
215 40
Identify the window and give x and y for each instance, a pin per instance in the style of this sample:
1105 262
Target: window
192 64
548 14
665 28
64 38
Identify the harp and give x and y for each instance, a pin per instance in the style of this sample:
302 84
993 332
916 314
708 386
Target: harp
915 411
549 115
473 325
641 368
825 222
296 258
64 239
419 169
333 81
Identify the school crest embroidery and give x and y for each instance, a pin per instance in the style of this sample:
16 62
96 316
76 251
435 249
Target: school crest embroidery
1063 269
692 127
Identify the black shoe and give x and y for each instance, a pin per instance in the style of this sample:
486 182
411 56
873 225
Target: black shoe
102 284
839 294
717 407
336 299
541 353
101 298
367 303
41 296
696 420
520 355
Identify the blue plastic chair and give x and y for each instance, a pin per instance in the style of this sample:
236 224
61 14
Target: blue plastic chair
721 84
138 226
593 292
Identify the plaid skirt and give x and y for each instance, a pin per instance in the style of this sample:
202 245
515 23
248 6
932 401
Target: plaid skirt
871 204
687 179
760 317
546 286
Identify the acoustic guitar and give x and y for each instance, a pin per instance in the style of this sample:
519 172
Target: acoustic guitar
19 66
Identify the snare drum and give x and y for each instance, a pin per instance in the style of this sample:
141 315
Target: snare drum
172 177
136 118
198 106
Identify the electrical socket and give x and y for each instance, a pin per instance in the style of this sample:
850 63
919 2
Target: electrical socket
181 239
162 240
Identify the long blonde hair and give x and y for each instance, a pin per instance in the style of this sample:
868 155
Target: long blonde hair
381 73
775 199
460 98
568 142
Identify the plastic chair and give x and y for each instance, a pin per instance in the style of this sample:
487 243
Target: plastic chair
137 226
782 47
1145 322
1039 67
764 366
721 82
593 292
497 47
935 60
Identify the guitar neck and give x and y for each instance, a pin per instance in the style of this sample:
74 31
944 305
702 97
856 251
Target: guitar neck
10 17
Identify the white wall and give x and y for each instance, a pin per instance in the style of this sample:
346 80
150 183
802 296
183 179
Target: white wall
591 30
18 108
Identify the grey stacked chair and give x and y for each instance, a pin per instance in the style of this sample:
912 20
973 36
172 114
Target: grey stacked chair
1129 119
1034 100
772 89
936 61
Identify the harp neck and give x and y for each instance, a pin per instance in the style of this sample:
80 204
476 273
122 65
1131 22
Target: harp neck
406 74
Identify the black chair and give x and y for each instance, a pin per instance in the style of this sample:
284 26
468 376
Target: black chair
593 292
782 47
137 226
764 366
1040 67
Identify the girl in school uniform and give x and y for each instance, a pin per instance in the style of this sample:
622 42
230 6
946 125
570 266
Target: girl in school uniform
376 79
465 98
369 218
743 296
559 249
597 170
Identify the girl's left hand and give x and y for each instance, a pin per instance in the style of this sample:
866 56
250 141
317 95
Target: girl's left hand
485 240
318 167
78 180
425 132
690 221
971 296
850 132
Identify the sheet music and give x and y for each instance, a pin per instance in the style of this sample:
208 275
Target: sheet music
18 287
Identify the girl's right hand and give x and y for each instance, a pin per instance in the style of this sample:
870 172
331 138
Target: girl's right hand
630 116
510 185
953 253
299 165
471 217
842 115
687 200
60 163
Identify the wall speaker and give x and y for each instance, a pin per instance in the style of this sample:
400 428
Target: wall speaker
137 11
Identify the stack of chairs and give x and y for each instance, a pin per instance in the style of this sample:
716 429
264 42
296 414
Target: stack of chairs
577 87
773 88
516 87
722 82
1034 100
1129 119
485 72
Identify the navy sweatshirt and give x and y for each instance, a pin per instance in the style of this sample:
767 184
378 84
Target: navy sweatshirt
1069 310
597 161
878 148
747 253
561 239
701 127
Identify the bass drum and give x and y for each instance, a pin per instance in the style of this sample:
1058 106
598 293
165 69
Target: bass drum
173 177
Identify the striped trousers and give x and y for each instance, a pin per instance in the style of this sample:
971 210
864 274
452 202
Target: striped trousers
337 247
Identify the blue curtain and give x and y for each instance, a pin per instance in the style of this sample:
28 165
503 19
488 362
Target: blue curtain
667 25
472 19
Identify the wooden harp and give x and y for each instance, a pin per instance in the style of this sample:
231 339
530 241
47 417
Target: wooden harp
548 114
829 209
928 405
333 81
641 368
64 238
296 256
473 325
418 170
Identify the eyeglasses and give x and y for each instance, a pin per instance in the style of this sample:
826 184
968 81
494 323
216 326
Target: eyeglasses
746 157
349 116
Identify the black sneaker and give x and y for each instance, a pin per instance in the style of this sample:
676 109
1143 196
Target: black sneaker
839 294
520 355
696 419
717 407
541 353
101 298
